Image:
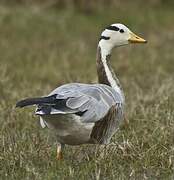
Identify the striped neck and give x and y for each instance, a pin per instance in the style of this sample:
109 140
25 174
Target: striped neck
105 73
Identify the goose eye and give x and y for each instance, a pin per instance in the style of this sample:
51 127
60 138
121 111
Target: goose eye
121 31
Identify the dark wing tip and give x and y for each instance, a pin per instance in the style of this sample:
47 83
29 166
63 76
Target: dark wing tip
24 102
36 101
20 104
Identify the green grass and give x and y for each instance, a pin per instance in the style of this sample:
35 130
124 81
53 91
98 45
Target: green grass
41 49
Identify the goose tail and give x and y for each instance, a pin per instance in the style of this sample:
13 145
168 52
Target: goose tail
36 101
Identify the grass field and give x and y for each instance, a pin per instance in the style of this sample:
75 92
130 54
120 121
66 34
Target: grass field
41 49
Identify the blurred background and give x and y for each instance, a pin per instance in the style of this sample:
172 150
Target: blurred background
84 5
46 43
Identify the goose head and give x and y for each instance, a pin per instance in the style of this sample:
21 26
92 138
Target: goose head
118 35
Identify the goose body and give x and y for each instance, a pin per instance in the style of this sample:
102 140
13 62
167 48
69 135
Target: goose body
76 109
87 113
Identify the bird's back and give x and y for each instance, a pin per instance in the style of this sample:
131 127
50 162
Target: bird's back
90 113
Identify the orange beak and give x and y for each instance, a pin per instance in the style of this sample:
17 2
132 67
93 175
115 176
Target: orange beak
136 39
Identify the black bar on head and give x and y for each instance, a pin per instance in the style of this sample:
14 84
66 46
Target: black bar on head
104 37
113 28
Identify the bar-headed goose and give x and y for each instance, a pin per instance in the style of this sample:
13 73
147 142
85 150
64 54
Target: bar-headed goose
87 113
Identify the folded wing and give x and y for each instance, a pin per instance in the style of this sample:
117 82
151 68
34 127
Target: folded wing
91 102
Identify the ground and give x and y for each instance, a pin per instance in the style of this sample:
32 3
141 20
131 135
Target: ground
41 49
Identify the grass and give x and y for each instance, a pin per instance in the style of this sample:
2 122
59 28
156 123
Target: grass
41 49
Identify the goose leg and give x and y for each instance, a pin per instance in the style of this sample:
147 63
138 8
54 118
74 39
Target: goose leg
59 151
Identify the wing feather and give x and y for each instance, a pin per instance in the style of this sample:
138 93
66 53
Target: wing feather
77 102
94 100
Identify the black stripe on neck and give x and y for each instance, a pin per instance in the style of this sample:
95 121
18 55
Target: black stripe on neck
104 37
113 28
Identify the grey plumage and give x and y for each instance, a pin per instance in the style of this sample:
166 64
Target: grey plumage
94 100
73 109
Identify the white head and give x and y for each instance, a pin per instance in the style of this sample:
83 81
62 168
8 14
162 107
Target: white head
118 35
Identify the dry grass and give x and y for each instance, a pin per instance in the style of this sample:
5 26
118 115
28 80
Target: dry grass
41 49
